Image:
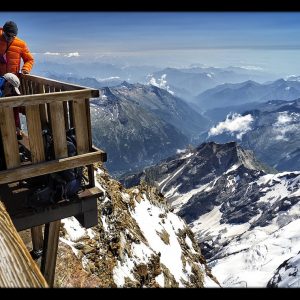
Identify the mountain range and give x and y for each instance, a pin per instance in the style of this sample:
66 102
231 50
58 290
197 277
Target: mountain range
270 129
139 125
187 83
246 92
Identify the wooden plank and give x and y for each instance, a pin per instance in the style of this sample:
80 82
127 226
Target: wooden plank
44 98
91 173
17 268
30 87
64 86
81 125
50 249
52 229
37 240
35 133
26 87
22 86
58 130
89 122
9 138
104 156
43 110
90 193
53 166
54 212
37 155
35 89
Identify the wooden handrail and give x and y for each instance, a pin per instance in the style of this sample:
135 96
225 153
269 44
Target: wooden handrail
57 84
45 98
33 170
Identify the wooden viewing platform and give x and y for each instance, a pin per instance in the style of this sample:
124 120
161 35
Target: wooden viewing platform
57 106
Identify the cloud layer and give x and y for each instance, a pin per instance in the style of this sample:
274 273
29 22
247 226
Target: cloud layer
234 124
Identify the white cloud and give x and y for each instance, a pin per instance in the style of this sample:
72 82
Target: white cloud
161 83
234 124
252 68
283 118
52 53
286 123
72 54
179 151
108 78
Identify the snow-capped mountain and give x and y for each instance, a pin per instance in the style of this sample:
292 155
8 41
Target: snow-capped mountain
138 242
271 130
87 81
187 83
245 218
249 91
139 125
56 66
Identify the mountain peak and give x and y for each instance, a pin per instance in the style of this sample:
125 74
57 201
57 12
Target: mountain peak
126 84
233 154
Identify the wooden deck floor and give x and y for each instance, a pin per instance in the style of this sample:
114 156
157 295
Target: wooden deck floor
24 215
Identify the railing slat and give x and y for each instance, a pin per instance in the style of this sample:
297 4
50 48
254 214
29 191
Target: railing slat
37 155
48 97
59 85
9 138
81 126
58 130
35 133
22 86
91 173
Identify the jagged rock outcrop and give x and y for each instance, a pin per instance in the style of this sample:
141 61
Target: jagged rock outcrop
138 242
245 219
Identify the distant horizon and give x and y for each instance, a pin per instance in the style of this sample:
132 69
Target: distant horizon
264 40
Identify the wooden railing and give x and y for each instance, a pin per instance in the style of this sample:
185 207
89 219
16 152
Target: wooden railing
49 104
17 268
55 106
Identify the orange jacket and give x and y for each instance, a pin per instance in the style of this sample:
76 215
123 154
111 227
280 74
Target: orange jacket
16 50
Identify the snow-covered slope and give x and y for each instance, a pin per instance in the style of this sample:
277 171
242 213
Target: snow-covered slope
245 220
138 242
287 274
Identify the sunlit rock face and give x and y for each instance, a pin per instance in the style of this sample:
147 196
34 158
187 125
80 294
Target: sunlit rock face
138 242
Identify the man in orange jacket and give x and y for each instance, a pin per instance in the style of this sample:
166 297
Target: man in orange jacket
12 49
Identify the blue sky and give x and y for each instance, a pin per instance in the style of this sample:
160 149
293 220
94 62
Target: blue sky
174 38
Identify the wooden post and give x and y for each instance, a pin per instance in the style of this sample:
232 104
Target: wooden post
43 111
37 155
90 167
51 234
9 138
17 268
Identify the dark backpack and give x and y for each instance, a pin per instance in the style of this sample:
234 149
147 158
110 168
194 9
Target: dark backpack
53 187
